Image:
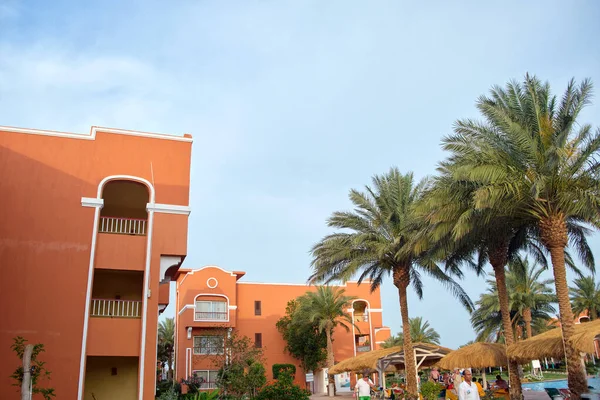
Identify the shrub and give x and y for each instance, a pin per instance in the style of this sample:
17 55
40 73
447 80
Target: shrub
277 368
168 394
283 389
430 390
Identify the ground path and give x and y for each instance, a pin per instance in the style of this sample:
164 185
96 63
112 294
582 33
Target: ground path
528 394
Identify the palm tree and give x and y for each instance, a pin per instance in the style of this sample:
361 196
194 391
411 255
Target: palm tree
457 231
585 297
376 242
529 301
529 159
166 342
420 332
326 308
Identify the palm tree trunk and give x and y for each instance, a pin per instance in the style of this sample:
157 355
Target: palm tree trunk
401 281
330 362
554 236
527 318
499 259
170 361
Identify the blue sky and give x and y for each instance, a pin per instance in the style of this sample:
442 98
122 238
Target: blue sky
291 103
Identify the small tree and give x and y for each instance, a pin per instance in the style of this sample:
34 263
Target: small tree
284 389
303 340
240 364
38 369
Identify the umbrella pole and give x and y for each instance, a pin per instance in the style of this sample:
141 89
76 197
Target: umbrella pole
484 378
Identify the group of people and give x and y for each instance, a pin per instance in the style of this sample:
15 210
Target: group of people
458 385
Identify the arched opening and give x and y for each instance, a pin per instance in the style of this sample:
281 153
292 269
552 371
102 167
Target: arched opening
124 210
211 308
361 311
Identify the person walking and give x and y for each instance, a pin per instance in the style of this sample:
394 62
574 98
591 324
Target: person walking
363 387
468 390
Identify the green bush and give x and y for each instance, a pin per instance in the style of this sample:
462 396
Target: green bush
278 367
430 390
283 389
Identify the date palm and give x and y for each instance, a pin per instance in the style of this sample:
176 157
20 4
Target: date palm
585 297
530 303
326 308
420 332
166 343
375 242
530 159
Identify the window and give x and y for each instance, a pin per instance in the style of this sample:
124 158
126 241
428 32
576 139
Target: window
258 340
206 379
211 310
257 308
208 345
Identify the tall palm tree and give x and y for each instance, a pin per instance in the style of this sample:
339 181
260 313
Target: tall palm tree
326 308
420 332
457 232
585 297
530 302
376 242
530 159
166 342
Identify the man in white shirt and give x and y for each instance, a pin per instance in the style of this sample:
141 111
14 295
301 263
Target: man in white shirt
363 387
467 390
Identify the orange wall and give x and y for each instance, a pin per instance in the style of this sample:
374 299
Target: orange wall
45 238
274 299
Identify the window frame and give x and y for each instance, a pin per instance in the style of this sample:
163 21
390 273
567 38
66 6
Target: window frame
257 308
199 300
220 348
258 340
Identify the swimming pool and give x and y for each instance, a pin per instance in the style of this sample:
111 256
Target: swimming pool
562 384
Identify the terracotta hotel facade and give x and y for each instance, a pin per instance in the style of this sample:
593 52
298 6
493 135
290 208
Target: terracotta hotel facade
93 230
210 299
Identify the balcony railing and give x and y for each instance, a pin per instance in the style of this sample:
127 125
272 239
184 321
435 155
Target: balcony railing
116 308
361 349
361 317
210 316
123 226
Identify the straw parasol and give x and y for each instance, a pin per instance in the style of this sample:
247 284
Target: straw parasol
550 343
476 355
367 360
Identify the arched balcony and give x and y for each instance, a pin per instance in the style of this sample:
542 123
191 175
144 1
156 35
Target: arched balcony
124 211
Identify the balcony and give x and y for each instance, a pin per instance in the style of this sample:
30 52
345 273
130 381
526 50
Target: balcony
116 308
210 316
122 226
361 317
363 348
114 336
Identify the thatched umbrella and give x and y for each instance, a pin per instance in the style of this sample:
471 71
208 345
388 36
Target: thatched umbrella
550 343
476 355
359 363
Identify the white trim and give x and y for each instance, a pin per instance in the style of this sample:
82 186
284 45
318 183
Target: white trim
188 361
380 342
147 295
383 328
186 307
93 132
375 310
156 352
92 202
192 272
210 320
283 284
169 208
233 307
213 286
371 332
125 178
86 312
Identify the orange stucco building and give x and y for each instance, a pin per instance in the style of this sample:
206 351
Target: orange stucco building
210 299
92 228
